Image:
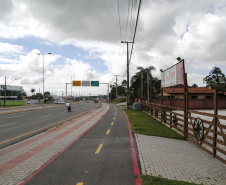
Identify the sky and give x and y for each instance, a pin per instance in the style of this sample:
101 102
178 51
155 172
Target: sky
84 39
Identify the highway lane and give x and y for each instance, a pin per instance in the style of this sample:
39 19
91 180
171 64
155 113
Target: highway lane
19 126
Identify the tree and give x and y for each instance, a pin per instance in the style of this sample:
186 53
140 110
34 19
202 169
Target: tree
194 85
32 90
136 81
24 93
216 79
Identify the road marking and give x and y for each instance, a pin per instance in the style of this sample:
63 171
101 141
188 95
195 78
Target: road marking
99 148
108 132
16 116
112 123
114 118
8 124
46 116
79 183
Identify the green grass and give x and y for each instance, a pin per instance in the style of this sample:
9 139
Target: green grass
151 180
143 123
13 103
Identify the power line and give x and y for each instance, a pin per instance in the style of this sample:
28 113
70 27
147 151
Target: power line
119 20
135 29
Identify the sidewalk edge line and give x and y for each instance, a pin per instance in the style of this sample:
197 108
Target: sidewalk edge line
135 163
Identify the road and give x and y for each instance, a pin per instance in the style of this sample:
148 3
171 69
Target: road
18 126
102 156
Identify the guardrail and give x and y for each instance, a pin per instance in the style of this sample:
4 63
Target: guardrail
206 130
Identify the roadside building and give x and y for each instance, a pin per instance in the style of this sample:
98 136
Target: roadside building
12 92
198 97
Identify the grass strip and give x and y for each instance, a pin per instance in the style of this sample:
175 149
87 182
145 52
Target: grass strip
143 123
151 180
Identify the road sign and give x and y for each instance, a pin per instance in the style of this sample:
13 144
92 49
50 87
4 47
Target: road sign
3 86
76 83
85 83
94 83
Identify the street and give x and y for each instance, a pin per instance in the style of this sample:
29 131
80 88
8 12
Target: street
21 125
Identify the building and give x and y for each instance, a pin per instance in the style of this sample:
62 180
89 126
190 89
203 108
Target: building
198 97
12 92
194 93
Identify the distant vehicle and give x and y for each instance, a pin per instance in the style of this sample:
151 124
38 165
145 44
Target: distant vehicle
28 102
59 101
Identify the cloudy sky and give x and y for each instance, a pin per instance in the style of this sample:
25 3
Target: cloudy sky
84 37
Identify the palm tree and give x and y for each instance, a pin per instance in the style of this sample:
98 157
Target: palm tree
136 81
32 90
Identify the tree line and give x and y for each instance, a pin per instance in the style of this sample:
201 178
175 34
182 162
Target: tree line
216 80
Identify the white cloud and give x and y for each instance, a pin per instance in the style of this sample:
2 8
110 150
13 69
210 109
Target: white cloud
193 30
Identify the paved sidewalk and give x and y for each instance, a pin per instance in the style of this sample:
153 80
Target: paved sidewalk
179 160
21 160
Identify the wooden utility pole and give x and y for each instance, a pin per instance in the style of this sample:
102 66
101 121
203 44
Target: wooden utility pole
141 84
148 79
116 88
128 91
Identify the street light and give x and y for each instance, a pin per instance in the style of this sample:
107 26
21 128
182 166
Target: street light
43 72
13 81
71 82
5 91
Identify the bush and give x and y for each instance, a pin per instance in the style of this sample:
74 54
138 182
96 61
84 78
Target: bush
120 100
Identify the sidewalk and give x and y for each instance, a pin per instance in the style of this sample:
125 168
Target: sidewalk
179 160
20 161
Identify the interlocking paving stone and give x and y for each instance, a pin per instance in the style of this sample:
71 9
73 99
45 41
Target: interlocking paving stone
179 160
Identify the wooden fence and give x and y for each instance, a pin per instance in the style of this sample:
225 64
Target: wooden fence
206 130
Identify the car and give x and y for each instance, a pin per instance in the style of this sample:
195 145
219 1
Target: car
28 102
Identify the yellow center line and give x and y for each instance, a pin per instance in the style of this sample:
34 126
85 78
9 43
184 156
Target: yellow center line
79 183
114 118
108 132
112 123
43 128
99 148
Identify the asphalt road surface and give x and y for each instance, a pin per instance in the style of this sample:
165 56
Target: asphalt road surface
15 127
102 156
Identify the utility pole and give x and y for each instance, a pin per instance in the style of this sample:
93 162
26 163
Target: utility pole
148 79
128 92
141 84
5 93
116 88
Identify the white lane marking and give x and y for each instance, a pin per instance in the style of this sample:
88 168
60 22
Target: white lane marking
16 116
8 124
46 116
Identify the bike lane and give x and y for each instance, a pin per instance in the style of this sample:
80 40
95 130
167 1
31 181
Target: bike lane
104 155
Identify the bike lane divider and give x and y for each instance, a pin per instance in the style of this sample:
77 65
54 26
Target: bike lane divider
32 161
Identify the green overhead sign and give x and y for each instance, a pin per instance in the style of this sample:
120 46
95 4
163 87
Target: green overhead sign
94 83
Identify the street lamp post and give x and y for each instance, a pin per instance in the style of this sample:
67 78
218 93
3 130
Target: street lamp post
43 72
5 91
71 82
